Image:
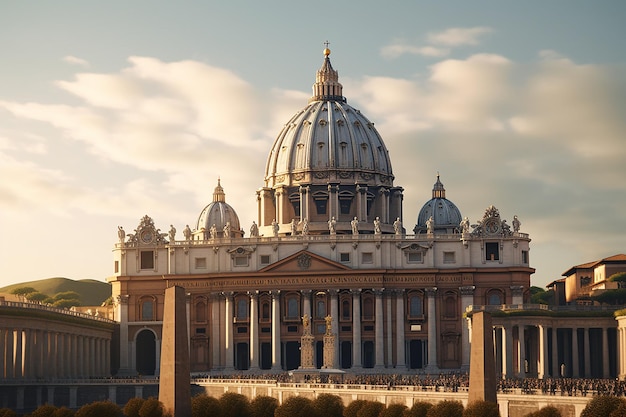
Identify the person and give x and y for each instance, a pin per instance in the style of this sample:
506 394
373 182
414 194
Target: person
355 226
254 230
213 231
187 232
397 226
430 225
377 226
305 227
275 228
121 234
516 224
172 233
332 226
227 229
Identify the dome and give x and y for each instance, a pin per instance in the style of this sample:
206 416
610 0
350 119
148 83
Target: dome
328 140
445 214
218 213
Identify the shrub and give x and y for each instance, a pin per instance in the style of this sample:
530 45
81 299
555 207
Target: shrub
620 411
419 409
63 412
446 408
295 407
99 409
7 412
205 406
45 410
328 405
602 405
234 405
394 410
263 406
132 407
353 408
482 409
370 409
152 408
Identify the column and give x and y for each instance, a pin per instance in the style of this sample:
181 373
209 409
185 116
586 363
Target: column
361 205
28 354
75 355
507 352
542 370
80 357
432 330
278 195
575 362
254 330
334 313
555 354
587 353
228 330
497 349
304 202
18 361
467 299
384 215
306 303
333 201
10 359
215 332
276 344
605 353
3 354
356 329
121 316
389 338
521 349
400 340
378 329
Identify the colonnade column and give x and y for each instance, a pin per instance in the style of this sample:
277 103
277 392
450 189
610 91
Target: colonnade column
304 202
605 353
215 332
334 314
254 330
3 353
587 352
555 354
389 338
378 329
356 329
575 361
10 344
333 201
432 329
507 352
521 351
228 330
121 316
467 299
384 215
400 339
279 195
542 371
361 202
306 303
276 345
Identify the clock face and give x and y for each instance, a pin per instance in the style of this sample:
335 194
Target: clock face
146 236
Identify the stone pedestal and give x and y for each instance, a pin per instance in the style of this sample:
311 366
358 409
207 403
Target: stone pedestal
329 351
482 385
306 352
174 380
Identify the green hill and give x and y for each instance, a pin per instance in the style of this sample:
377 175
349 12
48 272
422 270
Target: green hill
92 292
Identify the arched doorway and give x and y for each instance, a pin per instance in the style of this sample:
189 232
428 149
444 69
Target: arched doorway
145 352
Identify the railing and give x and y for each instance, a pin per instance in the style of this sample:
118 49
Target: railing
542 307
43 307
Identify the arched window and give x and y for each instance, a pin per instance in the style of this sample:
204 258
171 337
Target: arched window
292 308
321 308
368 308
265 310
494 298
147 308
201 311
415 306
242 309
450 306
345 310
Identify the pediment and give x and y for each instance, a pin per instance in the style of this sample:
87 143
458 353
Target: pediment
305 261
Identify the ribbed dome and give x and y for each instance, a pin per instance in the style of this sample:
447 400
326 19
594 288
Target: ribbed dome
328 140
445 214
218 213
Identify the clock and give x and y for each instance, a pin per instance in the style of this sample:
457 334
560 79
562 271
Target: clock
147 236
492 226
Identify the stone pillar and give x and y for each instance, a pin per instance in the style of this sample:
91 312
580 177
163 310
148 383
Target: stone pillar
379 329
28 354
467 299
216 342
228 326
73 397
254 330
361 205
575 361
521 349
400 339
304 203
542 370
356 330
482 385
279 195
174 381
121 316
10 359
333 201
432 330
389 328
587 353
507 352
18 361
80 357
384 214
306 303
606 373
555 354
3 353
276 343
334 313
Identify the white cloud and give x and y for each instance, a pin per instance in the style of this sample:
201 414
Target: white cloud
75 61
399 48
459 36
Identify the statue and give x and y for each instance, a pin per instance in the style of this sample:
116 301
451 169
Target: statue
329 324
213 231
305 227
397 226
377 226
305 322
254 230
187 233
121 234
465 225
355 226
275 228
430 225
516 223
332 226
172 233
294 227
227 229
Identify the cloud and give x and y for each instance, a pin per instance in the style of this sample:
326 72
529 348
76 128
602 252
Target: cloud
75 61
399 48
458 36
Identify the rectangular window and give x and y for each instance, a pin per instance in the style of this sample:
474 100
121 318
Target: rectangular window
449 257
367 258
241 261
200 263
242 329
492 251
320 205
415 257
265 259
147 259
117 267
524 256
344 257
201 330
147 310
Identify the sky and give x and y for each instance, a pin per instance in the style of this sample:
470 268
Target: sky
113 110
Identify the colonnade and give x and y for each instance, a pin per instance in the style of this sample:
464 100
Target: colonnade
27 353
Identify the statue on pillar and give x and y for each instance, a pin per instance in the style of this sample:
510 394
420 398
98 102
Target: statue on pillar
254 230
465 225
516 224
377 226
305 227
121 234
355 226
397 226
332 226
329 344
275 228
187 232
227 229
294 227
306 344
213 231
430 225
172 233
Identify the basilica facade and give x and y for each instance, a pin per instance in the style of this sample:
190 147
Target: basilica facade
329 243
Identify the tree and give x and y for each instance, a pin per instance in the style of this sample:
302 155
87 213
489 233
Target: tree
295 407
45 410
612 297
539 296
152 407
263 406
99 409
66 295
132 407
620 411
602 405
328 405
394 410
235 405
203 405
66 303
547 411
446 408
36 297
23 291
7 412
419 409
619 277
63 412
353 408
370 409
482 409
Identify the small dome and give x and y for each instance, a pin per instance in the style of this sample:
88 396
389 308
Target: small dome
444 212
218 213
